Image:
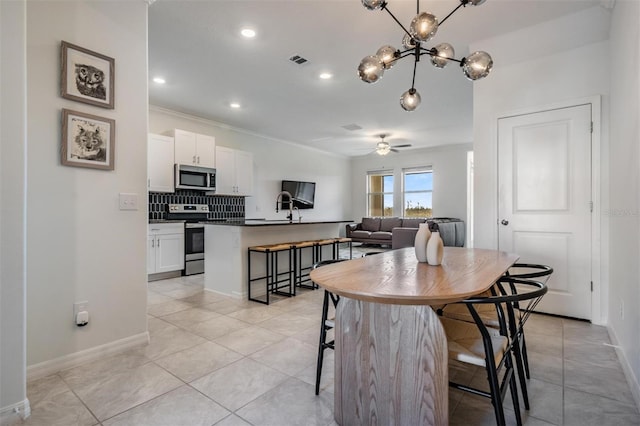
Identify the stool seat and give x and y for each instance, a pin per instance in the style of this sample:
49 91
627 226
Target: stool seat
271 247
303 244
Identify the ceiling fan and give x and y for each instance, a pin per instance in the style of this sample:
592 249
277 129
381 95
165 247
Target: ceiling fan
383 147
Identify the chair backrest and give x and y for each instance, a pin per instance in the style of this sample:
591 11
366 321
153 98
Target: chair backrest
529 270
334 297
326 262
520 296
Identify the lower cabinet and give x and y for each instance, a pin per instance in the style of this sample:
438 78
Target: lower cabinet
165 247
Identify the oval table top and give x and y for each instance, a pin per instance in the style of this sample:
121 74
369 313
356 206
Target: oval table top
396 277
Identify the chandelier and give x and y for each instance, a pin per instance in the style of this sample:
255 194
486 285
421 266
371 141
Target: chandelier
423 28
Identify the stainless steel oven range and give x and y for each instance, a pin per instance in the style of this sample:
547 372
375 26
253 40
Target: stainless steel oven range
193 234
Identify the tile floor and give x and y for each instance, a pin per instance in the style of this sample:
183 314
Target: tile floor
213 360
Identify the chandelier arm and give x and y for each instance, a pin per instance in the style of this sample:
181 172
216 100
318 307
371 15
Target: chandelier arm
413 80
432 52
406 53
396 19
462 4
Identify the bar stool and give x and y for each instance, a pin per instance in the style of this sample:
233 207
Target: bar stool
302 269
336 246
275 280
323 243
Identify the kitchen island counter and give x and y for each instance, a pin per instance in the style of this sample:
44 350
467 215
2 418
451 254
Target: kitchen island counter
226 246
268 222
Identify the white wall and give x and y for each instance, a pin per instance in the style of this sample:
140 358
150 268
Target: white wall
12 202
449 165
274 161
624 211
80 246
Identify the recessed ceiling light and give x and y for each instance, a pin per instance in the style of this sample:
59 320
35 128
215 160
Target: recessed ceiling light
234 105
159 80
248 33
326 75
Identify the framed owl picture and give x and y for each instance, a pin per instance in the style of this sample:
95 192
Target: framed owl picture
87 76
87 140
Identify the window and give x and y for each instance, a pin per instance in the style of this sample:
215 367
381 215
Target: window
380 194
418 191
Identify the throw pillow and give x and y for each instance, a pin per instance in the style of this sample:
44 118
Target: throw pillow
371 224
388 223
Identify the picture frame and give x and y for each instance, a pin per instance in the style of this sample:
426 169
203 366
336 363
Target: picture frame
87 76
88 140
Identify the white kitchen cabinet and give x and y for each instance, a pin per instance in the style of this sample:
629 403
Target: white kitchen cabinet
165 247
160 152
234 172
194 149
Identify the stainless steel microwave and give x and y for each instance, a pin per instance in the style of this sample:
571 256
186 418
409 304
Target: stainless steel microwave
195 177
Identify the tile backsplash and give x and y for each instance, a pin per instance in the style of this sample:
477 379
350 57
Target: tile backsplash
220 206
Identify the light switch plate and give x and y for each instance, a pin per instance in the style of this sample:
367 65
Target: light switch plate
128 201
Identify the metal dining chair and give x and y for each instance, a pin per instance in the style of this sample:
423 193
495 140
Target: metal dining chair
492 347
488 315
326 323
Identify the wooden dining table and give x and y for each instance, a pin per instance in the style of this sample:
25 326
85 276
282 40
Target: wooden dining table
390 348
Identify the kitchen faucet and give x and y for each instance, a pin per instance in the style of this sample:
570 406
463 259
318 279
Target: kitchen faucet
280 200
298 211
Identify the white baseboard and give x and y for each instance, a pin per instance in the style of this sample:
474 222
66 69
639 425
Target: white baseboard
46 368
20 410
626 367
234 294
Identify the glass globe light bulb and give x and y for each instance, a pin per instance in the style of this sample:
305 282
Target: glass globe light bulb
477 65
423 27
410 100
443 52
387 55
408 42
370 69
373 4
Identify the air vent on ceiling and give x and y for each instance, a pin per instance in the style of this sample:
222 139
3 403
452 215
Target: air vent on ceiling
352 127
298 59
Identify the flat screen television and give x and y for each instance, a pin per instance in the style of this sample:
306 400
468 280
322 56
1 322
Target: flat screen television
303 194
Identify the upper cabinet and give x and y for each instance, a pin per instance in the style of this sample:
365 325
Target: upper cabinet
160 163
195 149
234 172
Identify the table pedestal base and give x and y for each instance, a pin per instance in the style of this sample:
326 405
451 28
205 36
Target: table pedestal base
390 365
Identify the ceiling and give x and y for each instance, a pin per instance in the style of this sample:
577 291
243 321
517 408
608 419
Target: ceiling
197 48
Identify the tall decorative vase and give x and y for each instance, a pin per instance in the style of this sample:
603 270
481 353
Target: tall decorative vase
435 249
420 243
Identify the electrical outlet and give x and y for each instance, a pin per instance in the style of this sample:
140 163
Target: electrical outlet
79 307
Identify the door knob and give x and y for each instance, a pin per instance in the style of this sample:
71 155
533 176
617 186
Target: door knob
504 222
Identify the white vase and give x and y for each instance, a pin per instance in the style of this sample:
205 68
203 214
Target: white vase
435 249
420 243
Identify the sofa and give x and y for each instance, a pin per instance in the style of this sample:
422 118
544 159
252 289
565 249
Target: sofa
400 232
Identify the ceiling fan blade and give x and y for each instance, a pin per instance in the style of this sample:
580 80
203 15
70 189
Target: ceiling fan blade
406 145
394 150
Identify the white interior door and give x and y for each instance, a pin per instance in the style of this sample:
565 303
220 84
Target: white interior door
544 192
